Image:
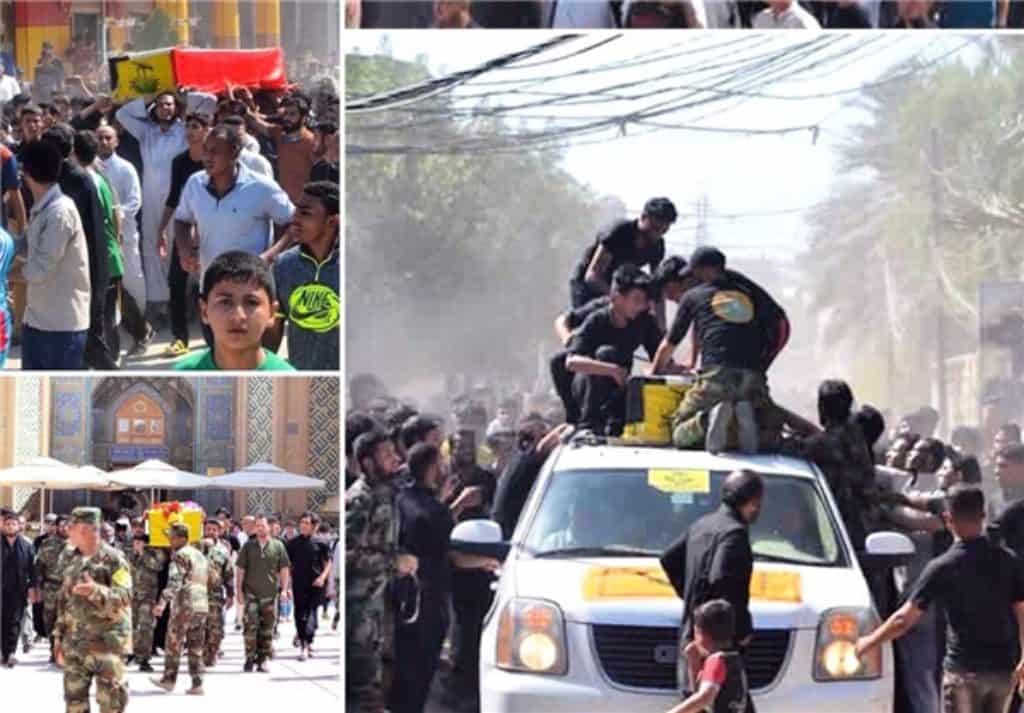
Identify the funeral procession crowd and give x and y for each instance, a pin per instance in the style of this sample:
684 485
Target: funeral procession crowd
416 604
115 218
104 595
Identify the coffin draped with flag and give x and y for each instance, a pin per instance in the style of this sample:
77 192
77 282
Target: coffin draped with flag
139 73
163 515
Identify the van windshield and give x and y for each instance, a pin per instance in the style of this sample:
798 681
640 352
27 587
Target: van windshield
635 512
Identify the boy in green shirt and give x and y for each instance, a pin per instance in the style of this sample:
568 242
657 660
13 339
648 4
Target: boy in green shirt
238 303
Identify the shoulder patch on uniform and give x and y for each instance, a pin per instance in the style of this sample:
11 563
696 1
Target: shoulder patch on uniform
122 578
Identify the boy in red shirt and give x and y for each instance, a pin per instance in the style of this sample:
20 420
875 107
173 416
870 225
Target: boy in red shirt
711 665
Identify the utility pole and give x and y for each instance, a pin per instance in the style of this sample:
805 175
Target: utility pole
935 169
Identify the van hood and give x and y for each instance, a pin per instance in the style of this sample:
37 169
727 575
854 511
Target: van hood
636 592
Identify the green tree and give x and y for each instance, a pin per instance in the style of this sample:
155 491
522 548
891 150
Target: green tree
454 262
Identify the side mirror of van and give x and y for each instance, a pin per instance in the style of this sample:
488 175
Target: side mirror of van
887 549
480 537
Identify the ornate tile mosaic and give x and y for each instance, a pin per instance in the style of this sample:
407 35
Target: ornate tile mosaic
324 443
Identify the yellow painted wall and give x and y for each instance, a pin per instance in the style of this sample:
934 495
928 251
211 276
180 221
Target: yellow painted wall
28 43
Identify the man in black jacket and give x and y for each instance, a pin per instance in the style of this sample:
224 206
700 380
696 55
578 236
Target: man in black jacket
18 581
77 185
714 560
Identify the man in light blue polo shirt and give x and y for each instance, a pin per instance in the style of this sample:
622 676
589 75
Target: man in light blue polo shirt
230 207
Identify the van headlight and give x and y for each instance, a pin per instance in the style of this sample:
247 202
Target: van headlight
531 637
835 657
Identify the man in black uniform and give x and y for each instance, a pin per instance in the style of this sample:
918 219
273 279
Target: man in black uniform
311 567
980 586
635 242
713 560
600 354
425 529
17 584
738 328
668 283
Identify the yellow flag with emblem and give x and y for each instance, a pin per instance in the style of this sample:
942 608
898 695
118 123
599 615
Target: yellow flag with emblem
140 73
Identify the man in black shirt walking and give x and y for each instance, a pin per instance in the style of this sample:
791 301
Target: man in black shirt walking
737 326
311 568
980 586
189 161
635 242
713 560
601 352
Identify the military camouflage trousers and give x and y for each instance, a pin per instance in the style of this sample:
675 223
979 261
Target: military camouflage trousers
49 609
111 685
364 645
143 623
214 631
186 630
258 628
712 387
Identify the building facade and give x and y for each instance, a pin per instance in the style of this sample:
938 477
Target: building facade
205 425
299 26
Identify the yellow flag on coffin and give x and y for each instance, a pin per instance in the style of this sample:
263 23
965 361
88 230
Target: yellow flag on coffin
139 73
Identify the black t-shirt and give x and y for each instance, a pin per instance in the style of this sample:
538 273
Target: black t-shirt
308 555
846 17
425 530
1010 526
729 323
324 170
598 330
474 477
976 583
575 317
182 168
620 241
232 540
514 487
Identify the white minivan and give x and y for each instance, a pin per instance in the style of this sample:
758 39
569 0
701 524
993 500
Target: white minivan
585 621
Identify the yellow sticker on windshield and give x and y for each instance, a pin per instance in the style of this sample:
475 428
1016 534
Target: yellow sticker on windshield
679 481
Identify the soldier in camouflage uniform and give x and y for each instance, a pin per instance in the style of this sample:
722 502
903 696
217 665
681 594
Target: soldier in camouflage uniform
48 575
93 626
262 570
186 594
220 588
371 559
147 563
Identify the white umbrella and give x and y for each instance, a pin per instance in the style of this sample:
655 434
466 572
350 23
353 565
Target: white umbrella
49 474
152 474
265 476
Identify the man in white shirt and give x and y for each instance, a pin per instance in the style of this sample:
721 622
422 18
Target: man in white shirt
124 179
785 15
9 86
161 136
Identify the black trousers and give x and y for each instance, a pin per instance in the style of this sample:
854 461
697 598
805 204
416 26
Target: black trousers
471 598
306 604
602 400
132 318
177 281
101 351
38 620
417 654
11 616
562 379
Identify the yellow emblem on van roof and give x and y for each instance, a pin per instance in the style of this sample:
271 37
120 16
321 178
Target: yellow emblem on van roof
605 583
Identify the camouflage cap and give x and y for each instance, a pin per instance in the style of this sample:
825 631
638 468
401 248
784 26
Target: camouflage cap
178 529
86 516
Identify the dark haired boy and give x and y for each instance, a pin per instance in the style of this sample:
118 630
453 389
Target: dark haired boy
308 282
715 667
601 351
238 304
